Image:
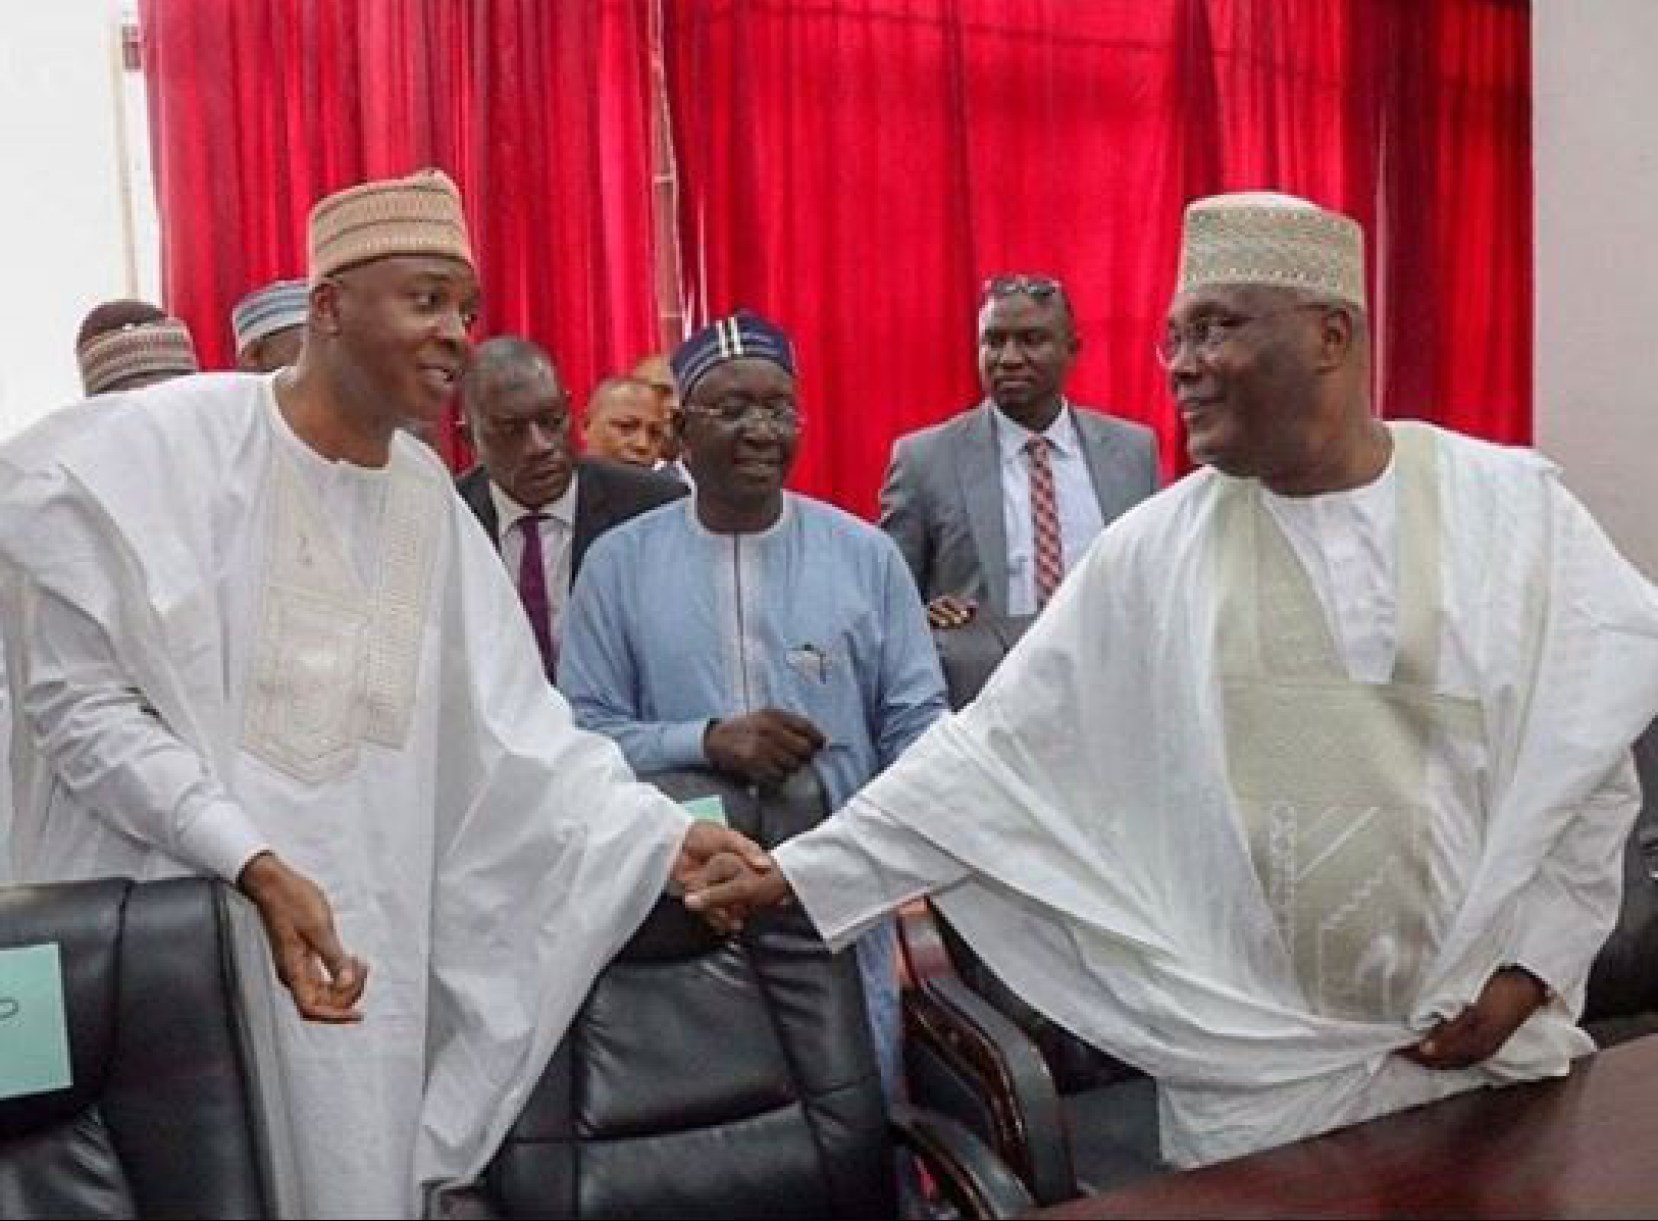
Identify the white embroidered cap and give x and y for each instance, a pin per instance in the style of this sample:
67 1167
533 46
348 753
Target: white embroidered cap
1260 237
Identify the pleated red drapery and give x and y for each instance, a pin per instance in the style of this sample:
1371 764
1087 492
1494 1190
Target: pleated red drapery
857 168
540 112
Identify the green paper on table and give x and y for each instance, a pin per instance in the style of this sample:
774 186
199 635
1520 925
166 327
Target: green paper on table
707 809
34 1034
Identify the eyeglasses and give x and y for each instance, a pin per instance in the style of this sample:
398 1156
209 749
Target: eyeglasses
1208 336
779 411
1036 287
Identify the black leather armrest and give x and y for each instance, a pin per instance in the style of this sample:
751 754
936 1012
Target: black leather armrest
984 1052
972 1178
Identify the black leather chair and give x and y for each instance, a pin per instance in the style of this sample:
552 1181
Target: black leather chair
1067 1118
715 1077
1622 998
160 1117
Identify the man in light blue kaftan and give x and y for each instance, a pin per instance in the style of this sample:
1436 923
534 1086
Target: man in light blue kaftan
750 629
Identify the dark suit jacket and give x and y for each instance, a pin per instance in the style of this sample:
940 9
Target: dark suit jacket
607 494
942 498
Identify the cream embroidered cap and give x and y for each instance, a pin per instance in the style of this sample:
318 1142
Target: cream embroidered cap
420 214
1259 237
145 351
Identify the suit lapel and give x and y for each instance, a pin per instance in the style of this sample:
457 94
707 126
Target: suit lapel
592 498
978 462
1103 459
474 488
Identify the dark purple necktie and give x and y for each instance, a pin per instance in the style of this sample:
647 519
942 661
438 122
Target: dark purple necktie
532 588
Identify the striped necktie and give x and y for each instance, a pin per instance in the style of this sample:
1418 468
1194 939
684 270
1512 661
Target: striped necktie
1044 512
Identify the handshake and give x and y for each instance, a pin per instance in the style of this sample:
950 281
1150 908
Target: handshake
725 877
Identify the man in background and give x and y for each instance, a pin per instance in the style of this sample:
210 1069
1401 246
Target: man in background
626 422
752 630
539 504
993 507
658 373
128 344
269 326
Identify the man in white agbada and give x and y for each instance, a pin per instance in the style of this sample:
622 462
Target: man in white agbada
253 633
1308 792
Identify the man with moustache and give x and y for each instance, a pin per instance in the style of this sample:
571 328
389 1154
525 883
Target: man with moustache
267 643
540 505
750 629
1308 794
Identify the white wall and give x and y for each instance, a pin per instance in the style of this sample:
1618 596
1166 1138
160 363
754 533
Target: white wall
67 240
1595 129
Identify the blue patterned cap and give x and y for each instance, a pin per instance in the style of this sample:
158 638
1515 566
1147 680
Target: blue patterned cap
744 335
276 307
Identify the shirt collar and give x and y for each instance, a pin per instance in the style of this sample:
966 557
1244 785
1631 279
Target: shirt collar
508 511
1012 435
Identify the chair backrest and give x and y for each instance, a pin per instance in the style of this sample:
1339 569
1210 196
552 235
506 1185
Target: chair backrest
1622 997
710 1077
767 814
159 1117
970 654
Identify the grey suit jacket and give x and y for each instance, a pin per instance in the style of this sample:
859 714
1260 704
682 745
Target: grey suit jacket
942 498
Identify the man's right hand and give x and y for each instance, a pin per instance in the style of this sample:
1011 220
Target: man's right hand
949 611
766 746
325 981
730 888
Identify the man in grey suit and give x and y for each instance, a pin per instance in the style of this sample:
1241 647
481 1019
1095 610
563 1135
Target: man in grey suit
993 507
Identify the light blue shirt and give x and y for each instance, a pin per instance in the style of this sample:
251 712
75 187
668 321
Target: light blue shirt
1079 506
671 625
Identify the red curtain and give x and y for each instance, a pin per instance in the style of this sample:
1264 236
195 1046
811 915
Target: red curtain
539 111
855 168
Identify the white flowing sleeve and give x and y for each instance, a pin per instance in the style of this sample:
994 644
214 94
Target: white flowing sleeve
104 742
548 856
1566 912
856 868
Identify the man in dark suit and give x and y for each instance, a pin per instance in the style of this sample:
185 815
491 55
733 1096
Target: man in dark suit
541 505
993 507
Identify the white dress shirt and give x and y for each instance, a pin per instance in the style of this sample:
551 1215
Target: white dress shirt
1079 507
1348 544
558 529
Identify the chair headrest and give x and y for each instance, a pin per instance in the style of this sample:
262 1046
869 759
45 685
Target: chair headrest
84 921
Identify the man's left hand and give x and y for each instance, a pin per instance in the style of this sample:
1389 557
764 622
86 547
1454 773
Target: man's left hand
1476 1034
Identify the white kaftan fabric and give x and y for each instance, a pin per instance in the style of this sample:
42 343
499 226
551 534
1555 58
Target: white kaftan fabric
1078 826
220 641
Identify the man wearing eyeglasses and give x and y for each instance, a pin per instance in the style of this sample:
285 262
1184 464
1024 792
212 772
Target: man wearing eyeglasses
753 630
992 508
540 505
1308 794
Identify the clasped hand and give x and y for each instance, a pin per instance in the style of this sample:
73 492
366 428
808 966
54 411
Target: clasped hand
732 886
